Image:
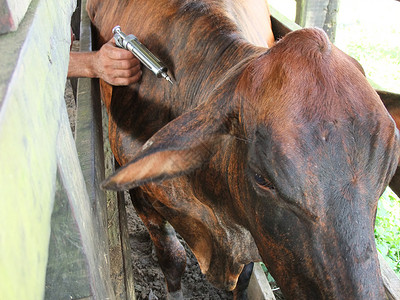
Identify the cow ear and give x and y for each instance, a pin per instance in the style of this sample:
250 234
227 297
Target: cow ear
180 147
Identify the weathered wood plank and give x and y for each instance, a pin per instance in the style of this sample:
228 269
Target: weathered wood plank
120 252
116 256
259 288
67 274
94 154
33 58
390 280
281 25
126 249
11 14
89 144
318 13
118 235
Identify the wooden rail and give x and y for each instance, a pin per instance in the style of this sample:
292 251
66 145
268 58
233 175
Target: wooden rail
97 161
35 139
54 232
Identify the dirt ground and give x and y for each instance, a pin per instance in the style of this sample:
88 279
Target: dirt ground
149 280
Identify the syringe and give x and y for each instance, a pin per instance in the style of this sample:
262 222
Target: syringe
131 43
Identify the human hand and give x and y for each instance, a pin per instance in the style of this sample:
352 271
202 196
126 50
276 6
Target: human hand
116 66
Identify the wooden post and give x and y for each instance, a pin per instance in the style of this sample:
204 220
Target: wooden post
97 161
318 13
390 280
53 235
33 116
11 14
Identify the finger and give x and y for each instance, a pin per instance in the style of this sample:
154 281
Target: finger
112 42
126 81
116 53
126 73
134 70
127 64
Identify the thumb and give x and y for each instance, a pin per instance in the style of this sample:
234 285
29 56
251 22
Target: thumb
112 42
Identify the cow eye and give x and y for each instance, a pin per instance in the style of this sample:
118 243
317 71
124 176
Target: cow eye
263 182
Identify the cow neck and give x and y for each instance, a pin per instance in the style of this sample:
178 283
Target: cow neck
212 64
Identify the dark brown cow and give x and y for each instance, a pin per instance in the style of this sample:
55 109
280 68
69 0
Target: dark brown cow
277 154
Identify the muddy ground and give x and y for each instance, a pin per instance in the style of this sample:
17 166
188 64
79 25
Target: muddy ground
149 279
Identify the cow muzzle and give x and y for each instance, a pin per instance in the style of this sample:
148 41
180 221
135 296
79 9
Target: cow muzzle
334 257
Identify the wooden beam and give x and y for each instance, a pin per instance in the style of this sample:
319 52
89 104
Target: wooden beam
281 25
97 161
390 280
259 287
318 13
11 14
34 58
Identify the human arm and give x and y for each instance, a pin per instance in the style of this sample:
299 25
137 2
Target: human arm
114 65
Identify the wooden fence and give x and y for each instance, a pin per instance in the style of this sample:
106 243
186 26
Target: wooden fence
54 230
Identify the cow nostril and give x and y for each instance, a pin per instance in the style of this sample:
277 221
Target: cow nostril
263 182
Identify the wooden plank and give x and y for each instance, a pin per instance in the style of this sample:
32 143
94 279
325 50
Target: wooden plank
121 272
114 239
259 288
318 13
11 14
94 154
67 275
118 235
89 144
390 280
29 126
85 215
281 25
126 249
11 48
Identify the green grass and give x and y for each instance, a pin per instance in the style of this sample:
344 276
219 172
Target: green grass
387 229
369 31
381 61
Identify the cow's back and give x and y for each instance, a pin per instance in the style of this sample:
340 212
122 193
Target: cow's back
251 17
200 41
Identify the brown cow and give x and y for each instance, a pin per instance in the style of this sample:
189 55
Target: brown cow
280 153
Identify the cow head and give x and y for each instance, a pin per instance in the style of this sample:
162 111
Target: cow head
303 148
